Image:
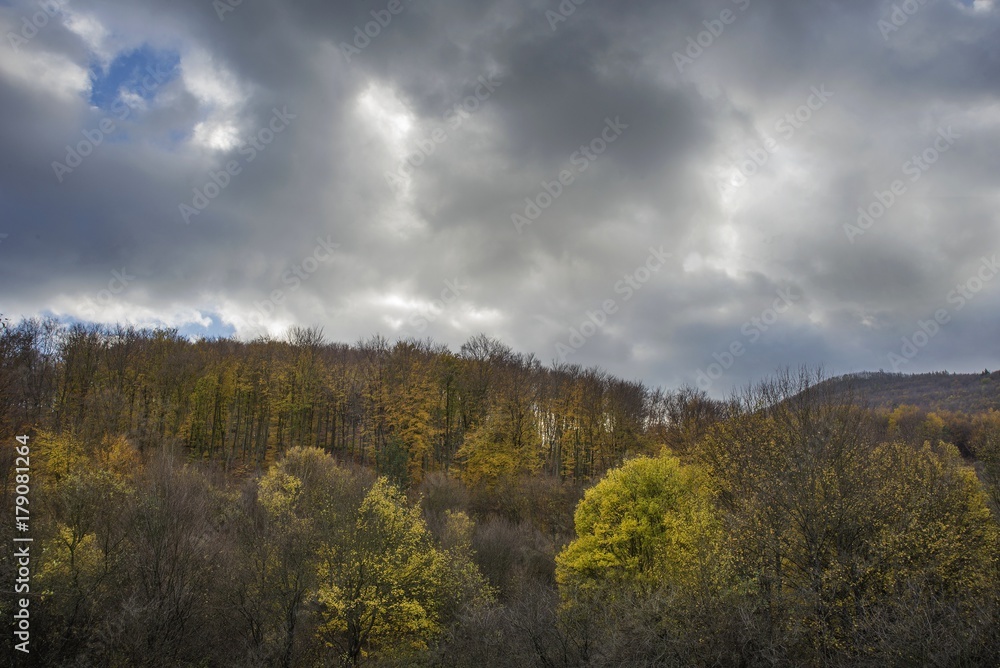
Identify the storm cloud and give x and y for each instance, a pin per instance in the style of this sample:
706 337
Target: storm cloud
693 192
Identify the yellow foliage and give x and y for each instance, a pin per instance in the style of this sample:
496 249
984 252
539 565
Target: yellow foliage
119 457
69 560
499 451
278 492
940 531
385 584
649 523
58 455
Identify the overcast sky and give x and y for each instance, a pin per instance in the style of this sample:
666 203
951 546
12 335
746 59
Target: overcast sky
652 187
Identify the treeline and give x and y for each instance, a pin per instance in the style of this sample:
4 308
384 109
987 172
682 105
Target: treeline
405 409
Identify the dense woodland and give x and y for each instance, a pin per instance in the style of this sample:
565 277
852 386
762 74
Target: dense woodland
301 503
968 393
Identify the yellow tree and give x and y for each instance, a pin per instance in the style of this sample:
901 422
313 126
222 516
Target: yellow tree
84 494
59 455
647 524
498 452
507 442
649 574
933 564
411 407
300 501
383 584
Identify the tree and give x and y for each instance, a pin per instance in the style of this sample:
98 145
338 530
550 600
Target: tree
302 499
933 564
838 538
650 522
410 414
172 564
506 443
384 584
80 576
985 445
648 580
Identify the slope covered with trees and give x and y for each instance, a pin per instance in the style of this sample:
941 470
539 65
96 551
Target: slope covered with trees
956 392
300 503
405 409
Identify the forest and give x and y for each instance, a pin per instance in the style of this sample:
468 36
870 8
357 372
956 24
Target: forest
968 393
296 502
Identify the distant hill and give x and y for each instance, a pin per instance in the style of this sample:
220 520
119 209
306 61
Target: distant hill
940 391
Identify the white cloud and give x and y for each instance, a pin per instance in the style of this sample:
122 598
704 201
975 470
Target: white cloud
48 72
93 33
222 98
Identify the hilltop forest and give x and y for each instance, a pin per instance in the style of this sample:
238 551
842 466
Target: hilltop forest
297 502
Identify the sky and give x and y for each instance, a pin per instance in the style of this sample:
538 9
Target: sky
683 193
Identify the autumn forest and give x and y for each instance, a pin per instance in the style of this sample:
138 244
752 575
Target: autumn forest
296 502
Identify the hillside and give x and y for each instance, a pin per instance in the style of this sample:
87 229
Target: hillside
940 391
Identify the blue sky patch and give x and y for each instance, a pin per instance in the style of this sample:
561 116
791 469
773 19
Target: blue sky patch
214 330
142 71
191 331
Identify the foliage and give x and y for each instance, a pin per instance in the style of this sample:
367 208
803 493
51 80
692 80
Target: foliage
840 534
256 504
384 584
646 524
408 409
985 446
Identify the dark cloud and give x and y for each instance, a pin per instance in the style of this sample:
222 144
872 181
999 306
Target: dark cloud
446 224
